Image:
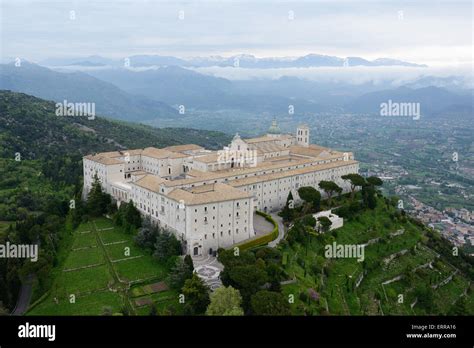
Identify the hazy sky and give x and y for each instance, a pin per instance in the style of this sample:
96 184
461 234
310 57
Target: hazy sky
431 32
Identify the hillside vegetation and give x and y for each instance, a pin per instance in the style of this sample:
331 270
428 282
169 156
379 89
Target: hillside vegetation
407 269
41 172
41 153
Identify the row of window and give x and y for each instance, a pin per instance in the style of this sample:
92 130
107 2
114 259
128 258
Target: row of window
222 233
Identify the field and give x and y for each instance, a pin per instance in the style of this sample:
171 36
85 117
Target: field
105 270
397 266
166 301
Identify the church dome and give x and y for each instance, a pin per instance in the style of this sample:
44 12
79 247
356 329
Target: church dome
274 129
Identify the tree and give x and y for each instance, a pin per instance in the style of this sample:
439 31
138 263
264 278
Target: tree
248 279
288 209
425 297
225 301
308 220
310 195
329 187
146 235
368 196
324 223
131 215
355 181
374 181
272 303
459 307
166 246
188 260
179 274
275 275
196 295
97 200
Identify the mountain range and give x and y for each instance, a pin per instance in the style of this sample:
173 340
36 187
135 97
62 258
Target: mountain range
78 87
241 60
154 94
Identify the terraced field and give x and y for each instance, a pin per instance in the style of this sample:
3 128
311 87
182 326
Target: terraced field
397 268
102 266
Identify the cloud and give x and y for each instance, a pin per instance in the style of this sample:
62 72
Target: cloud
396 75
118 28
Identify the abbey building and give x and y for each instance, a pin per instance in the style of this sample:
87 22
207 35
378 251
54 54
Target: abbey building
208 198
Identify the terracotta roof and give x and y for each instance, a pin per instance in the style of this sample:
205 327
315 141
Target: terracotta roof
265 147
103 159
266 138
156 153
266 165
150 182
287 173
208 194
181 148
178 155
196 173
260 139
312 151
121 153
210 158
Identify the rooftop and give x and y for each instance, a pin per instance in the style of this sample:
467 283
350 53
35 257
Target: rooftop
288 173
150 182
207 194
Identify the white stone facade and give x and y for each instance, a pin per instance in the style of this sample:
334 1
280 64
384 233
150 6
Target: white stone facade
207 198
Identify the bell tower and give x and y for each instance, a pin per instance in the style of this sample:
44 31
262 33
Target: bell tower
302 135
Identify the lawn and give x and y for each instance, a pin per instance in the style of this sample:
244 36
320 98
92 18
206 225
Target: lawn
91 285
113 236
84 227
84 257
84 240
85 280
123 250
90 304
102 222
139 269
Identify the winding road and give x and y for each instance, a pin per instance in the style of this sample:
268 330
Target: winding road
281 230
24 298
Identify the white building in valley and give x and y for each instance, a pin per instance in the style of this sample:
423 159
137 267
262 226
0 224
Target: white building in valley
208 198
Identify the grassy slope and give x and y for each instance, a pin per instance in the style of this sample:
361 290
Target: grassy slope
96 287
338 289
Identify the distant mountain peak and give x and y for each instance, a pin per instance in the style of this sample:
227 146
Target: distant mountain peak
246 61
